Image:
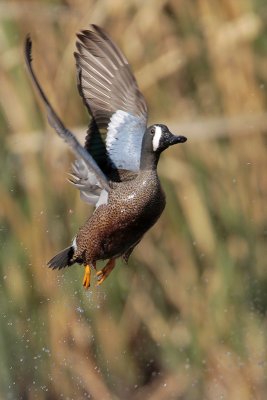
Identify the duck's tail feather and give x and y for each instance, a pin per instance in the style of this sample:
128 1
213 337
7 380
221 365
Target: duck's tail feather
63 259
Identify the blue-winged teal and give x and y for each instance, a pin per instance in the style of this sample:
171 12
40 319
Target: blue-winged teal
116 170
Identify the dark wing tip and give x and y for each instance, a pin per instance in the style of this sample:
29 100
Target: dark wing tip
99 30
83 34
28 48
80 35
92 32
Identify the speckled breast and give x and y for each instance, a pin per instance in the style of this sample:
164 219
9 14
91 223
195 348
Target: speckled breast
133 207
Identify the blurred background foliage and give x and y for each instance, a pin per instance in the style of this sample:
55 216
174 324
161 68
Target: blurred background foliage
186 319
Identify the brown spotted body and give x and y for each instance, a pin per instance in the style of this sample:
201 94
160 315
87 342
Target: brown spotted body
116 227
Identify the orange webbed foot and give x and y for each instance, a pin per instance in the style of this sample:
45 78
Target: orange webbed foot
87 277
104 273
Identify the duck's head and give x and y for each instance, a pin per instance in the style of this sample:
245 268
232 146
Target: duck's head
156 139
162 138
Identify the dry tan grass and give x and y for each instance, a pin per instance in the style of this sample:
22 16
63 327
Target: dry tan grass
186 318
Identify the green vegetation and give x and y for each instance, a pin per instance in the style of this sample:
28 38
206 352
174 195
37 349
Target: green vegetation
186 319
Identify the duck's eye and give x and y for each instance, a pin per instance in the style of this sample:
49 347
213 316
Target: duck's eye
152 131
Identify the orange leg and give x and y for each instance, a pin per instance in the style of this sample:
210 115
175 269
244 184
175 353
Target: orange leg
104 273
87 277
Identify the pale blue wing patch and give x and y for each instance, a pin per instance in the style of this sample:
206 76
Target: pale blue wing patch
124 140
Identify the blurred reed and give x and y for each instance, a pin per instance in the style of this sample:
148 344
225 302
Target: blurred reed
187 318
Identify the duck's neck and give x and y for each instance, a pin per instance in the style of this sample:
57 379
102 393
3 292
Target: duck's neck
149 160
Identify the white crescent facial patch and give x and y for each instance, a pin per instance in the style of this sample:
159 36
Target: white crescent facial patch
156 138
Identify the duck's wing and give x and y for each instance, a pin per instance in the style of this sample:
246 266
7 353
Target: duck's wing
95 185
112 97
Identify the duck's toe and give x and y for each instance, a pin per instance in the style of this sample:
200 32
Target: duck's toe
104 273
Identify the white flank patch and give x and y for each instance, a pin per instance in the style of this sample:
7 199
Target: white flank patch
74 244
103 198
156 138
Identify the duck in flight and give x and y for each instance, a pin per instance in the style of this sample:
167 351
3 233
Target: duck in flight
116 170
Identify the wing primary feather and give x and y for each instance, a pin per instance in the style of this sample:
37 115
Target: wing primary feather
111 94
111 43
98 48
80 58
98 82
88 56
57 124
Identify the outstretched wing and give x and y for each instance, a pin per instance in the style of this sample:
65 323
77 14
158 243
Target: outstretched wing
96 181
112 97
